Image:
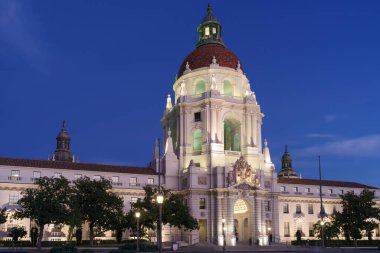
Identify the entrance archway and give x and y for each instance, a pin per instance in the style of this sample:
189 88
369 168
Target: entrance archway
242 220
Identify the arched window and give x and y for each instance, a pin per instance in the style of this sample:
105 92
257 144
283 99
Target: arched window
197 140
236 142
231 135
227 88
200 87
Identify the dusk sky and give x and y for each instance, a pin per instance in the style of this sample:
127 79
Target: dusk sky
106 68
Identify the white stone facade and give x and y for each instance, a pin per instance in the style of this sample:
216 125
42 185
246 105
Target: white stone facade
214 154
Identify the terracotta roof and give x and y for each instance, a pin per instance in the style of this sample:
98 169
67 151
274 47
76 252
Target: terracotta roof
202 57
284 180
75 166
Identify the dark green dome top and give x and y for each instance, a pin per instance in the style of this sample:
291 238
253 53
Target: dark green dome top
210 29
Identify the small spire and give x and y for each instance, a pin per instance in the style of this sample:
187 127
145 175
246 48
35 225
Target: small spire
169 132
209 9
63 123
213 60
187 66
265 143
286 148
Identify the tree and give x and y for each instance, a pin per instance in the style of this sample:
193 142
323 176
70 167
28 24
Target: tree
98 206
174 211
359 213
331 230
177 214
3 215
47 203
17 233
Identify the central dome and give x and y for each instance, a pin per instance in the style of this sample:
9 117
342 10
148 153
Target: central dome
202 57
210 44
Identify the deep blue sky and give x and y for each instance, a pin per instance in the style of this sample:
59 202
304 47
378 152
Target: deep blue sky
106 67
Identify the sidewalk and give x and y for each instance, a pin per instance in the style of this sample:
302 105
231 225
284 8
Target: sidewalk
205 247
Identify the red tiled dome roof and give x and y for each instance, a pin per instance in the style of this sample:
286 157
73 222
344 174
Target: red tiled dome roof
202 57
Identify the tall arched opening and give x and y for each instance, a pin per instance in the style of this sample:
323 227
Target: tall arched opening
232 134
242 220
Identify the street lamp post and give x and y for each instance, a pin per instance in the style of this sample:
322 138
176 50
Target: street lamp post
322 214
224 233
323 232
160 200
137 214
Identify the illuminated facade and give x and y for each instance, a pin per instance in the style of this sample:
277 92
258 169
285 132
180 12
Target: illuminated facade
213 154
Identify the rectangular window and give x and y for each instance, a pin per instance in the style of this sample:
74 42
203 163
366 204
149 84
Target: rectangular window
286 208
134 200
331 191
97 177
151 181
334 209
57 175
15 175
295 189
202 203
207 31
308 190
115 179
310 209
286 229
282 188
311 229
133 181
342 192
317 190
13 198
77 176
36 174
267 206
197 117
298 208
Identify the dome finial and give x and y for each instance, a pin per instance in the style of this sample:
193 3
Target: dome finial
63 123
210 30
209 9
286 148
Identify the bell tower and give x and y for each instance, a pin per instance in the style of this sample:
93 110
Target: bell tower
214 152
62 151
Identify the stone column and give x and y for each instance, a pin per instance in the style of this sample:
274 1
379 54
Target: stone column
218 218
259 220
213 124
248 128
259 145
254 129
230 235
275 220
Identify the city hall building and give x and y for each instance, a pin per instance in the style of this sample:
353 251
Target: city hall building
214 154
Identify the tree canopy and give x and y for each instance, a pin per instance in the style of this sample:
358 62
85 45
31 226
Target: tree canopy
174 211
359 213
3 215
48 203
98 206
